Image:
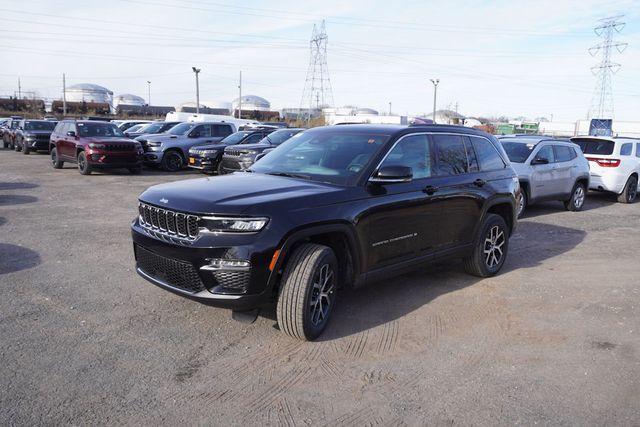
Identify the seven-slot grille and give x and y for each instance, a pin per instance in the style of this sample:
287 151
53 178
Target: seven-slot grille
179 274
234 152
169 223
118 147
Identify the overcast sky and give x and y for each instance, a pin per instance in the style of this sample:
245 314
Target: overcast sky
509 58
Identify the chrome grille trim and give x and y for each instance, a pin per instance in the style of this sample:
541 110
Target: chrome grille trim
168 223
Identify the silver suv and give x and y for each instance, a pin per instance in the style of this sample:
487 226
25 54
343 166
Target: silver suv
548 169
170 150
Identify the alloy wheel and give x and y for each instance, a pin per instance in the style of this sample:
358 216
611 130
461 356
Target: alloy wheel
633 191
520 204
322 294
81 163
493 244
578 197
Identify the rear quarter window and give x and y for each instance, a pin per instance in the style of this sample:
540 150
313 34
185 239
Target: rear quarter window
626 149
487 155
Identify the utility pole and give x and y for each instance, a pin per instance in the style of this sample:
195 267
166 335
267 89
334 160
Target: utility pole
435 94
149 91
19 89
197 71
64 95
389 107
240 97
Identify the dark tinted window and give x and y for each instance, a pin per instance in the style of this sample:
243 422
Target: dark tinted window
626 149
518 152
471 156
201 131
280 136
546 152
564 154
39 125
222 130
488 156
413 151
595 146
252 139
181 129
451 154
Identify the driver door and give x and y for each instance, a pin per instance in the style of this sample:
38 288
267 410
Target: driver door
403 217
544 184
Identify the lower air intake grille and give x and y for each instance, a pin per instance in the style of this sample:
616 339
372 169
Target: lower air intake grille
235 280
179 274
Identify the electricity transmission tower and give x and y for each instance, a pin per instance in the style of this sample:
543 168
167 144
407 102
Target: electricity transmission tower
602 101
317 92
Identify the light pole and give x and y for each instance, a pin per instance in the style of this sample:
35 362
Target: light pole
149 91
389 107
197 71
435 94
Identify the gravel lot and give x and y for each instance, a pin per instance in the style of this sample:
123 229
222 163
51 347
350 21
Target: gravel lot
555 339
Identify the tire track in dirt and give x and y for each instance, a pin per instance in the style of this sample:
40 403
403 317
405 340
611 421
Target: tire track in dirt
366 416
389 337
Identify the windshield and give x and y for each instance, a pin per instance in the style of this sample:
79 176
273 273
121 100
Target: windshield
595 146
135 128
14 124
39 125
181 129
234 138
101 130
279 136
334 157
518 152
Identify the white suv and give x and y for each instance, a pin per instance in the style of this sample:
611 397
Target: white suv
614 163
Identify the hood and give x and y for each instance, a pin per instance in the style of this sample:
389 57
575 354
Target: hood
239 193
254 147
108 140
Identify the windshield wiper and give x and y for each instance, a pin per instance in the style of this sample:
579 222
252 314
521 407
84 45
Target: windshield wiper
289 175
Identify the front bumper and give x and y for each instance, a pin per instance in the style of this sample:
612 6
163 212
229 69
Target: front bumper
36 144
209 164
178 268
108 159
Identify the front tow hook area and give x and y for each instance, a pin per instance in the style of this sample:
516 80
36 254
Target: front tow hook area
248 316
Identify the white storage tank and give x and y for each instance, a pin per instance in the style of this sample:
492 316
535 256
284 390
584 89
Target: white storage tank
88 92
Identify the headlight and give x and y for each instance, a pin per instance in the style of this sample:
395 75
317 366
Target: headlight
28 137
234 225
94 145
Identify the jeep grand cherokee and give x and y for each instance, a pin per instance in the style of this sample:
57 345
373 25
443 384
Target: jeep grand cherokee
331 207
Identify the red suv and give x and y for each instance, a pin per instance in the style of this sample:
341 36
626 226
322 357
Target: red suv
94 145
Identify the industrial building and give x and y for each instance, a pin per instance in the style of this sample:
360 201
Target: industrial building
89 93
128 100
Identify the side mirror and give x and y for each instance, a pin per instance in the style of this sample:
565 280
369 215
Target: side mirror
71 133
392 174
540 161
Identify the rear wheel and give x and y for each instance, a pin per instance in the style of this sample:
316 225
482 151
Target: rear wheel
523 201
83 165
630 191
490 249
576 201
172 161
308 291
55 162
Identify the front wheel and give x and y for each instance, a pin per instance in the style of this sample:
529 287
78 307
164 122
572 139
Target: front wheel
25 149
630 191
308 291
83 165
55 162
172 161
490 249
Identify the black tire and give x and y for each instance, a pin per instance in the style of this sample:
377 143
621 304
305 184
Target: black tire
493 236
136 170
55 162
25 149
578 195
309 265
522 202
172 161
220 170
630 191
83 165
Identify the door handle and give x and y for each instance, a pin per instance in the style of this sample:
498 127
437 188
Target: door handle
430 189
479 182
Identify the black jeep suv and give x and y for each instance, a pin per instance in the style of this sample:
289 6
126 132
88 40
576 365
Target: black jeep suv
334 206
34 135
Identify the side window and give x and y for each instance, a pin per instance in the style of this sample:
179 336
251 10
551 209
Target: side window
71 127
221 130
638 150
626 149
206 131
488 156
413 151
564 154
471 156
546 152
253 139
451 154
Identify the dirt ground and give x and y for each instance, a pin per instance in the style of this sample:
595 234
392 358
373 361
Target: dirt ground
554 339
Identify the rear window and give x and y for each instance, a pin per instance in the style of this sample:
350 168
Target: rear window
487 154
595 146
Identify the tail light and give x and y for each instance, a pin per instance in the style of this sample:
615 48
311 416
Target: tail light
605 163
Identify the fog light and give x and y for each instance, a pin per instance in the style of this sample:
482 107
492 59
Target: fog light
226 264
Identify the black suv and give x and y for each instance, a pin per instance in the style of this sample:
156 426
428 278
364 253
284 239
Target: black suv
207 157
334 206
33 135
242 157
